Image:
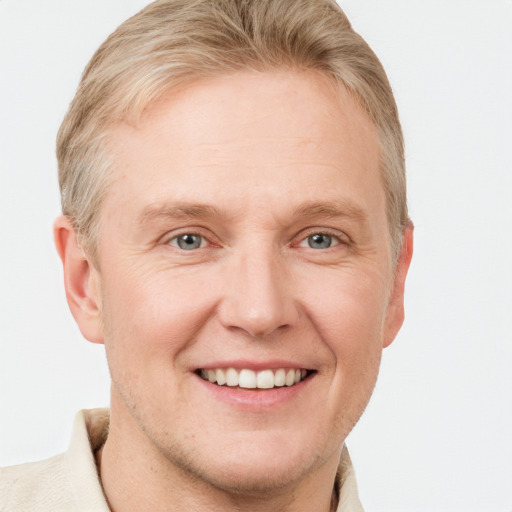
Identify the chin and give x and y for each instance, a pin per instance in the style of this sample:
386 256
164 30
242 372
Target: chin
252 478
256 467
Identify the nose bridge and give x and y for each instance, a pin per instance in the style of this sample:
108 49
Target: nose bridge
259 297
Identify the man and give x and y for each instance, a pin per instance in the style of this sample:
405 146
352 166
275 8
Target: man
235 232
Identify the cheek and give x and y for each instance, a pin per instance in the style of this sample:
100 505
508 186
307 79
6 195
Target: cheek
348 309
150 319
148 323
349 314
354 335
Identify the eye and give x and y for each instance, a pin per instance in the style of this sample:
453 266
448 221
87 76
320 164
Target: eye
188 241
320 241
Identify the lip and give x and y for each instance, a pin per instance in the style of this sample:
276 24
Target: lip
255 400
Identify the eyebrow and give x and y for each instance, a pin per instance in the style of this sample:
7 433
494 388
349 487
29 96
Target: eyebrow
332 209
314 209
178 211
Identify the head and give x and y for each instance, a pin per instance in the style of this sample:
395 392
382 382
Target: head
234 196
171 43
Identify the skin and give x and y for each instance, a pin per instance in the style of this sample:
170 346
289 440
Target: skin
271 158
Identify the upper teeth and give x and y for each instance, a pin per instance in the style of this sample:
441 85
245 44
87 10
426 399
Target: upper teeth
244 378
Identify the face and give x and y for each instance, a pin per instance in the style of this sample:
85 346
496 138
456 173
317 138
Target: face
245 282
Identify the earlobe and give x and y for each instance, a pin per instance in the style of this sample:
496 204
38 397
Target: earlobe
395 314
81 281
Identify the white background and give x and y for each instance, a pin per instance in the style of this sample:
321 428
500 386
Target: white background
437 435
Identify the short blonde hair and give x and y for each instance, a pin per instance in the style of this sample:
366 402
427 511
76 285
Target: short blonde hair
174 41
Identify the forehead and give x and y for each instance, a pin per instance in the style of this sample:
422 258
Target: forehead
263 132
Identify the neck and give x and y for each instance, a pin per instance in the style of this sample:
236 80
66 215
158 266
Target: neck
136 476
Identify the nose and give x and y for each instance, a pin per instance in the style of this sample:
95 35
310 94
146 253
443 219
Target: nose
258 295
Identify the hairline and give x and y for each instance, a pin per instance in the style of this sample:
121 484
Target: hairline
90 240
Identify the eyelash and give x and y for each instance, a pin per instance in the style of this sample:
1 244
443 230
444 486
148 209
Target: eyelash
335 240
338 240
176 237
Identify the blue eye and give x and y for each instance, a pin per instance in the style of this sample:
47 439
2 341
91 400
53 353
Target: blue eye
188 242
320 241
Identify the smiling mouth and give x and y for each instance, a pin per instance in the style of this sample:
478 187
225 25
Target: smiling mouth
249 379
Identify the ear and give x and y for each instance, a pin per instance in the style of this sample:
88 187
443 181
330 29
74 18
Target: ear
81 281
395 314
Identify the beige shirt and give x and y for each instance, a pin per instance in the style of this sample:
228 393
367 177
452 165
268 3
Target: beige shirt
70 481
